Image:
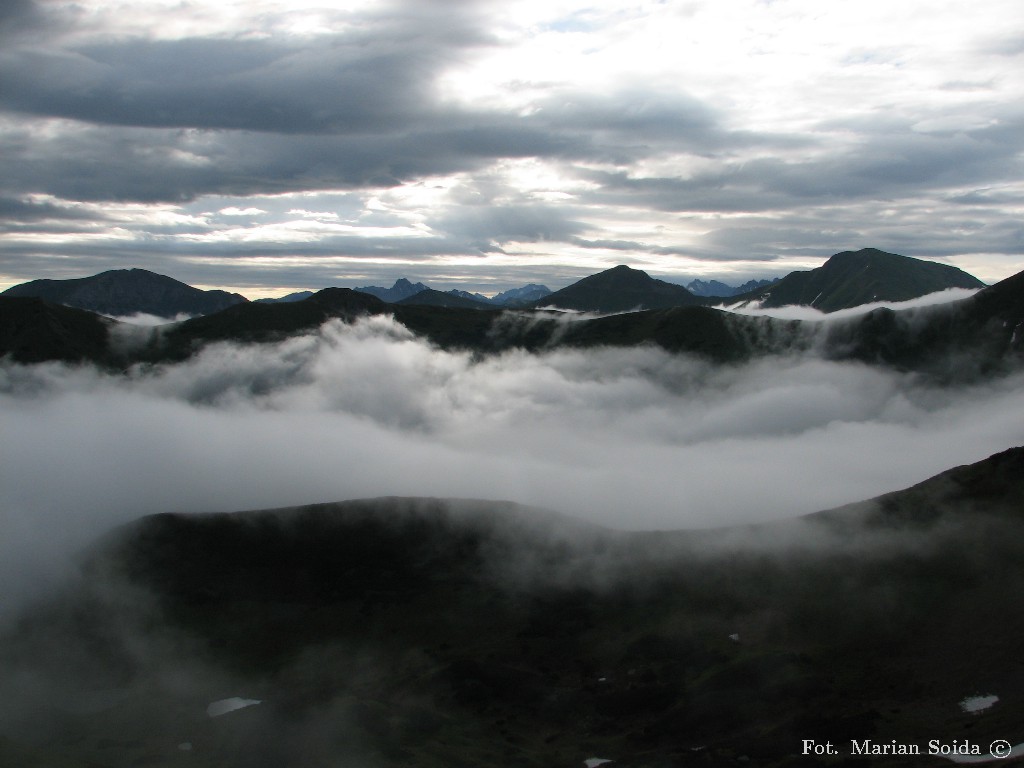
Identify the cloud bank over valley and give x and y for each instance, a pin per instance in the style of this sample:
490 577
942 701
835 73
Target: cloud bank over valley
630 438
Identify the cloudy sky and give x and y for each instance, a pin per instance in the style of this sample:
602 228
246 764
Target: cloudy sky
266 146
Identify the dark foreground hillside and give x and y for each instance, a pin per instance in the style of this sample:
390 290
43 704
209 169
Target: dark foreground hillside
421 632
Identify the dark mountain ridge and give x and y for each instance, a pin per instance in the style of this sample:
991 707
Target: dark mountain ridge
122 292
36 331
977 337
402 289
432 632
619 289
521 296
716 288
852 278
431 298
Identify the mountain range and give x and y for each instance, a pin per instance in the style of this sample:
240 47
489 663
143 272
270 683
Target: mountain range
402 289
716 288
846 280
431 632
980 333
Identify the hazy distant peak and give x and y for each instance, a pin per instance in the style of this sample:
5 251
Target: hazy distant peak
402 289
525 294
717 288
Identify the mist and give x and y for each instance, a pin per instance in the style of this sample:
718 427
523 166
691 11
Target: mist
801 312
627 438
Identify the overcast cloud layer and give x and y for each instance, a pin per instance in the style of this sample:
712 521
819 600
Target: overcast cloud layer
629 438
265 146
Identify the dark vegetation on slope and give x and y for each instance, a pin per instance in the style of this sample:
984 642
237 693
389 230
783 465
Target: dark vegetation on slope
397 632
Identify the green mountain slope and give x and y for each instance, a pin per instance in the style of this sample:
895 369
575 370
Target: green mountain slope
852 278
396 632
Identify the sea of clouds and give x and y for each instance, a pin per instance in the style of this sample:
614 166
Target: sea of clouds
632 438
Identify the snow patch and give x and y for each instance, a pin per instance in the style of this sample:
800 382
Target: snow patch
978 703
593 762
223 706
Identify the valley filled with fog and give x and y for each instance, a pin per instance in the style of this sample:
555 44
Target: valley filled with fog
629 438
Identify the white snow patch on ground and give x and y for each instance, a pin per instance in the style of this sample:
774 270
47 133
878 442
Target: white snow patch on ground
593 762
222 707
978 703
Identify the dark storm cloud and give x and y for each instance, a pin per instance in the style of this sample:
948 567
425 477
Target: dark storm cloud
91 163
16 16
377 75
16 212
625 123
885 163
244 85
153 120
175 119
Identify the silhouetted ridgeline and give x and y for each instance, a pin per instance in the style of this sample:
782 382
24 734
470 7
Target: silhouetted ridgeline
127 292
852 278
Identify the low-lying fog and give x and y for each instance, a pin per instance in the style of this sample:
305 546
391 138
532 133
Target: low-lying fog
797 312
629 438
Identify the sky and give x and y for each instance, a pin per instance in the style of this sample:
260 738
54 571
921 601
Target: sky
268 146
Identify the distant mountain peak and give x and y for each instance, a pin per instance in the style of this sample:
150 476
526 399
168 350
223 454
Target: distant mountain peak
402 289
128 292
620 289
852 278
524 295
719 289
